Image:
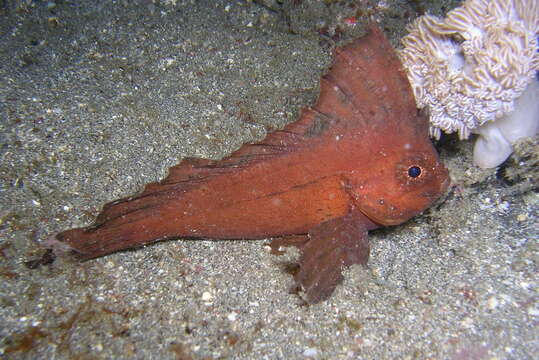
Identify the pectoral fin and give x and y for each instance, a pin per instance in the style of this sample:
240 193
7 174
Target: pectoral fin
332 246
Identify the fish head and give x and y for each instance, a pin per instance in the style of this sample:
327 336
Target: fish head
392 169
401 183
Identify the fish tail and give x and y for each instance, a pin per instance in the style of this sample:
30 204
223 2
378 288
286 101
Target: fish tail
111 236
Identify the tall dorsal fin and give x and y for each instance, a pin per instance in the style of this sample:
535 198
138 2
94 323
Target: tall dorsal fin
367 85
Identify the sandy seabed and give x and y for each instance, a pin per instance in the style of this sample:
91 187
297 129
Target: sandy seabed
99 98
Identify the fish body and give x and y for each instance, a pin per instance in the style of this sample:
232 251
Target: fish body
358 159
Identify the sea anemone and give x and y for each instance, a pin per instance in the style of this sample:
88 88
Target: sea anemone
475 72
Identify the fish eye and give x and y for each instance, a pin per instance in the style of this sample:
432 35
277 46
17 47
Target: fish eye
414 171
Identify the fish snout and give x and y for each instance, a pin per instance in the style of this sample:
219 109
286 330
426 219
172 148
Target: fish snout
445 178
445 185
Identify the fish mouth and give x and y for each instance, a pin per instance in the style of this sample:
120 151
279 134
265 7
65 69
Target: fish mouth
379 221
374 223
445 184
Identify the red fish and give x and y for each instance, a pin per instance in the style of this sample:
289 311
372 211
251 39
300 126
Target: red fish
357 160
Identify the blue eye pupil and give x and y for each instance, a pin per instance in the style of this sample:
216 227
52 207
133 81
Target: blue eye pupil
414 171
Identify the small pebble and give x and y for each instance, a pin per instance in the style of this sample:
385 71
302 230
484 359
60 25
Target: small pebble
522 217
504 206
532 311
467 322
492 303
207 296
310 352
